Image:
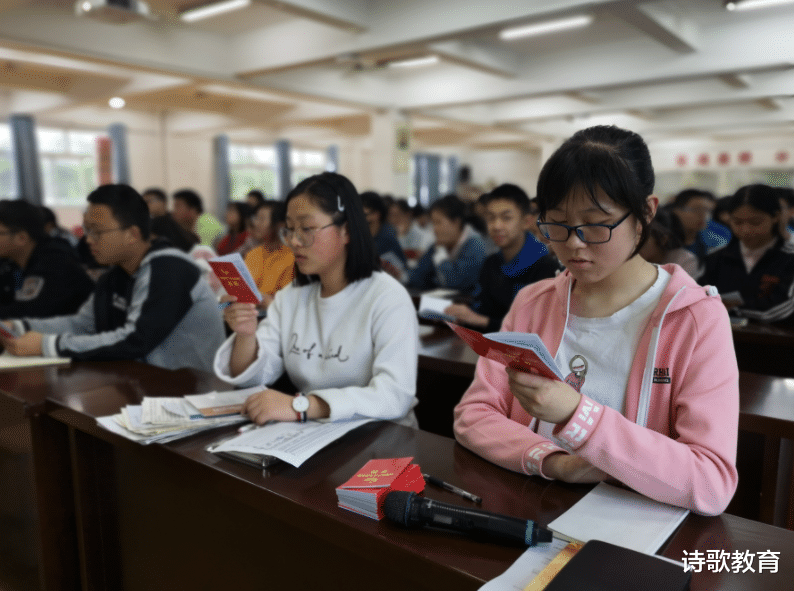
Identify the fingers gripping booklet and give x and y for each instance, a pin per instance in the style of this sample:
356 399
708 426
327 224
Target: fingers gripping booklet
517 350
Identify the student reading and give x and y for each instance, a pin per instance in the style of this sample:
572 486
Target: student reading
345 332
651 394
521 259
152 305
755 271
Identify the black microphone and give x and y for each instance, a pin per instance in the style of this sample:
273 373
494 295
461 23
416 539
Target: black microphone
410 510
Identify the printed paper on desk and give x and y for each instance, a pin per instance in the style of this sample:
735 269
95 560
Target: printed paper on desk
218 404
236 278
292 442
528 566
517 350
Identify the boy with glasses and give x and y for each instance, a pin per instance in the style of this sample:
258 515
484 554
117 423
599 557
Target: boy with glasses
152 305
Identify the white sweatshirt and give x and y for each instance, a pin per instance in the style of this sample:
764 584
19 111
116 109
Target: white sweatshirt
357 349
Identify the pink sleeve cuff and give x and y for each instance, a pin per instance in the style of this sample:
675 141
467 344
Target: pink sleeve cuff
583 422
533 457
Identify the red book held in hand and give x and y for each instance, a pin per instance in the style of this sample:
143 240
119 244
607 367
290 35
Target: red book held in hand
517 350
366 490
236 278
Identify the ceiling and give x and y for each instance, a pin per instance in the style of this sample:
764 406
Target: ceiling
318 69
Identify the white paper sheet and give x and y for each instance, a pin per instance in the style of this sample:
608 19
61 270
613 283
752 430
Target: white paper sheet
526 568
293 443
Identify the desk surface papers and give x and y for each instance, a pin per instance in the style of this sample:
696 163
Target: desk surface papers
293 443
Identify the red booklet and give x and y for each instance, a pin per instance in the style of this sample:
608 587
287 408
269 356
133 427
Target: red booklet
236 278
365 492
517 350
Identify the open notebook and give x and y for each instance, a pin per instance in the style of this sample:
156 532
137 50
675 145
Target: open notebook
8 361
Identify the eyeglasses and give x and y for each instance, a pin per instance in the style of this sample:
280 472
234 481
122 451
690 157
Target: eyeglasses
588 233
94 234
304 236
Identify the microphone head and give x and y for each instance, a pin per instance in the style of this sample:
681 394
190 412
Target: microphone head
396 506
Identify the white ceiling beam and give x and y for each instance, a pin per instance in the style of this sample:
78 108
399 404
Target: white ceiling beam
472 55
395 24
350 15
736 80
671 30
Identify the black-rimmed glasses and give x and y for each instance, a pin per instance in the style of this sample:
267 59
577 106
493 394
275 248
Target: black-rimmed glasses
588 233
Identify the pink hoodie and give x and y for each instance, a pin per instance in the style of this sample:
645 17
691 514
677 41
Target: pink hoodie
677 442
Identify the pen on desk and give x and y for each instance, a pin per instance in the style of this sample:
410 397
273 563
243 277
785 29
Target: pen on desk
451 488
248 427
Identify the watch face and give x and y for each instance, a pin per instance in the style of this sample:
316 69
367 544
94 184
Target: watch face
300 404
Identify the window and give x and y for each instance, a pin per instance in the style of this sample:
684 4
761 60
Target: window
252 167
68 165
8 177
306 163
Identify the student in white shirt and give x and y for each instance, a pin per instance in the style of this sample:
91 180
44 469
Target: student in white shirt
345 332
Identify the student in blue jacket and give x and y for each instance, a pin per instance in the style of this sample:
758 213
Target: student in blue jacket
455 260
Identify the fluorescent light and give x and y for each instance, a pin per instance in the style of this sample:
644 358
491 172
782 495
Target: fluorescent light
211 10
117 102
415 62
86 6
753 4
562 24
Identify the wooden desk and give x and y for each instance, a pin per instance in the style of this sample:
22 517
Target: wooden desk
163 517
765 349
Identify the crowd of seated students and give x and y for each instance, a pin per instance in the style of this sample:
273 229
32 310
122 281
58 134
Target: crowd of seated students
522 259
321 257
152 304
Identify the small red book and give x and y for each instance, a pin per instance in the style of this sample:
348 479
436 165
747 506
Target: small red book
517 350
236 278
365 492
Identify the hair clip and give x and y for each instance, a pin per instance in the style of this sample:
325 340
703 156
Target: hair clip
339 203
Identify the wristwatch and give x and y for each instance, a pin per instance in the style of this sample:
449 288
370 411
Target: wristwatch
300 404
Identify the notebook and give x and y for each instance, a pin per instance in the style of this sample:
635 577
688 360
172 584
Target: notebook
600 566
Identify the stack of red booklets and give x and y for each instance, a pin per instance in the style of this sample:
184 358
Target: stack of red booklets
365 492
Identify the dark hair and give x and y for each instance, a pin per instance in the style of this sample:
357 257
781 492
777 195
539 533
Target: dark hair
258 195
335 195
126 205
451 206
47 215
605 157
20 216
164 226
785 193
190 198
509 192
243 212
278 211
376 203
685 196
402 205
158 194
761 197
666 230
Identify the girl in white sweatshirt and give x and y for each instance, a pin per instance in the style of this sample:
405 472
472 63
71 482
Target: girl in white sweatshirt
345 332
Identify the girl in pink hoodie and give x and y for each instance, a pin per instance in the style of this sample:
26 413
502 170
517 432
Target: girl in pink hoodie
651 395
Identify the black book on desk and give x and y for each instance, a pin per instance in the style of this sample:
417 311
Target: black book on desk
600 566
